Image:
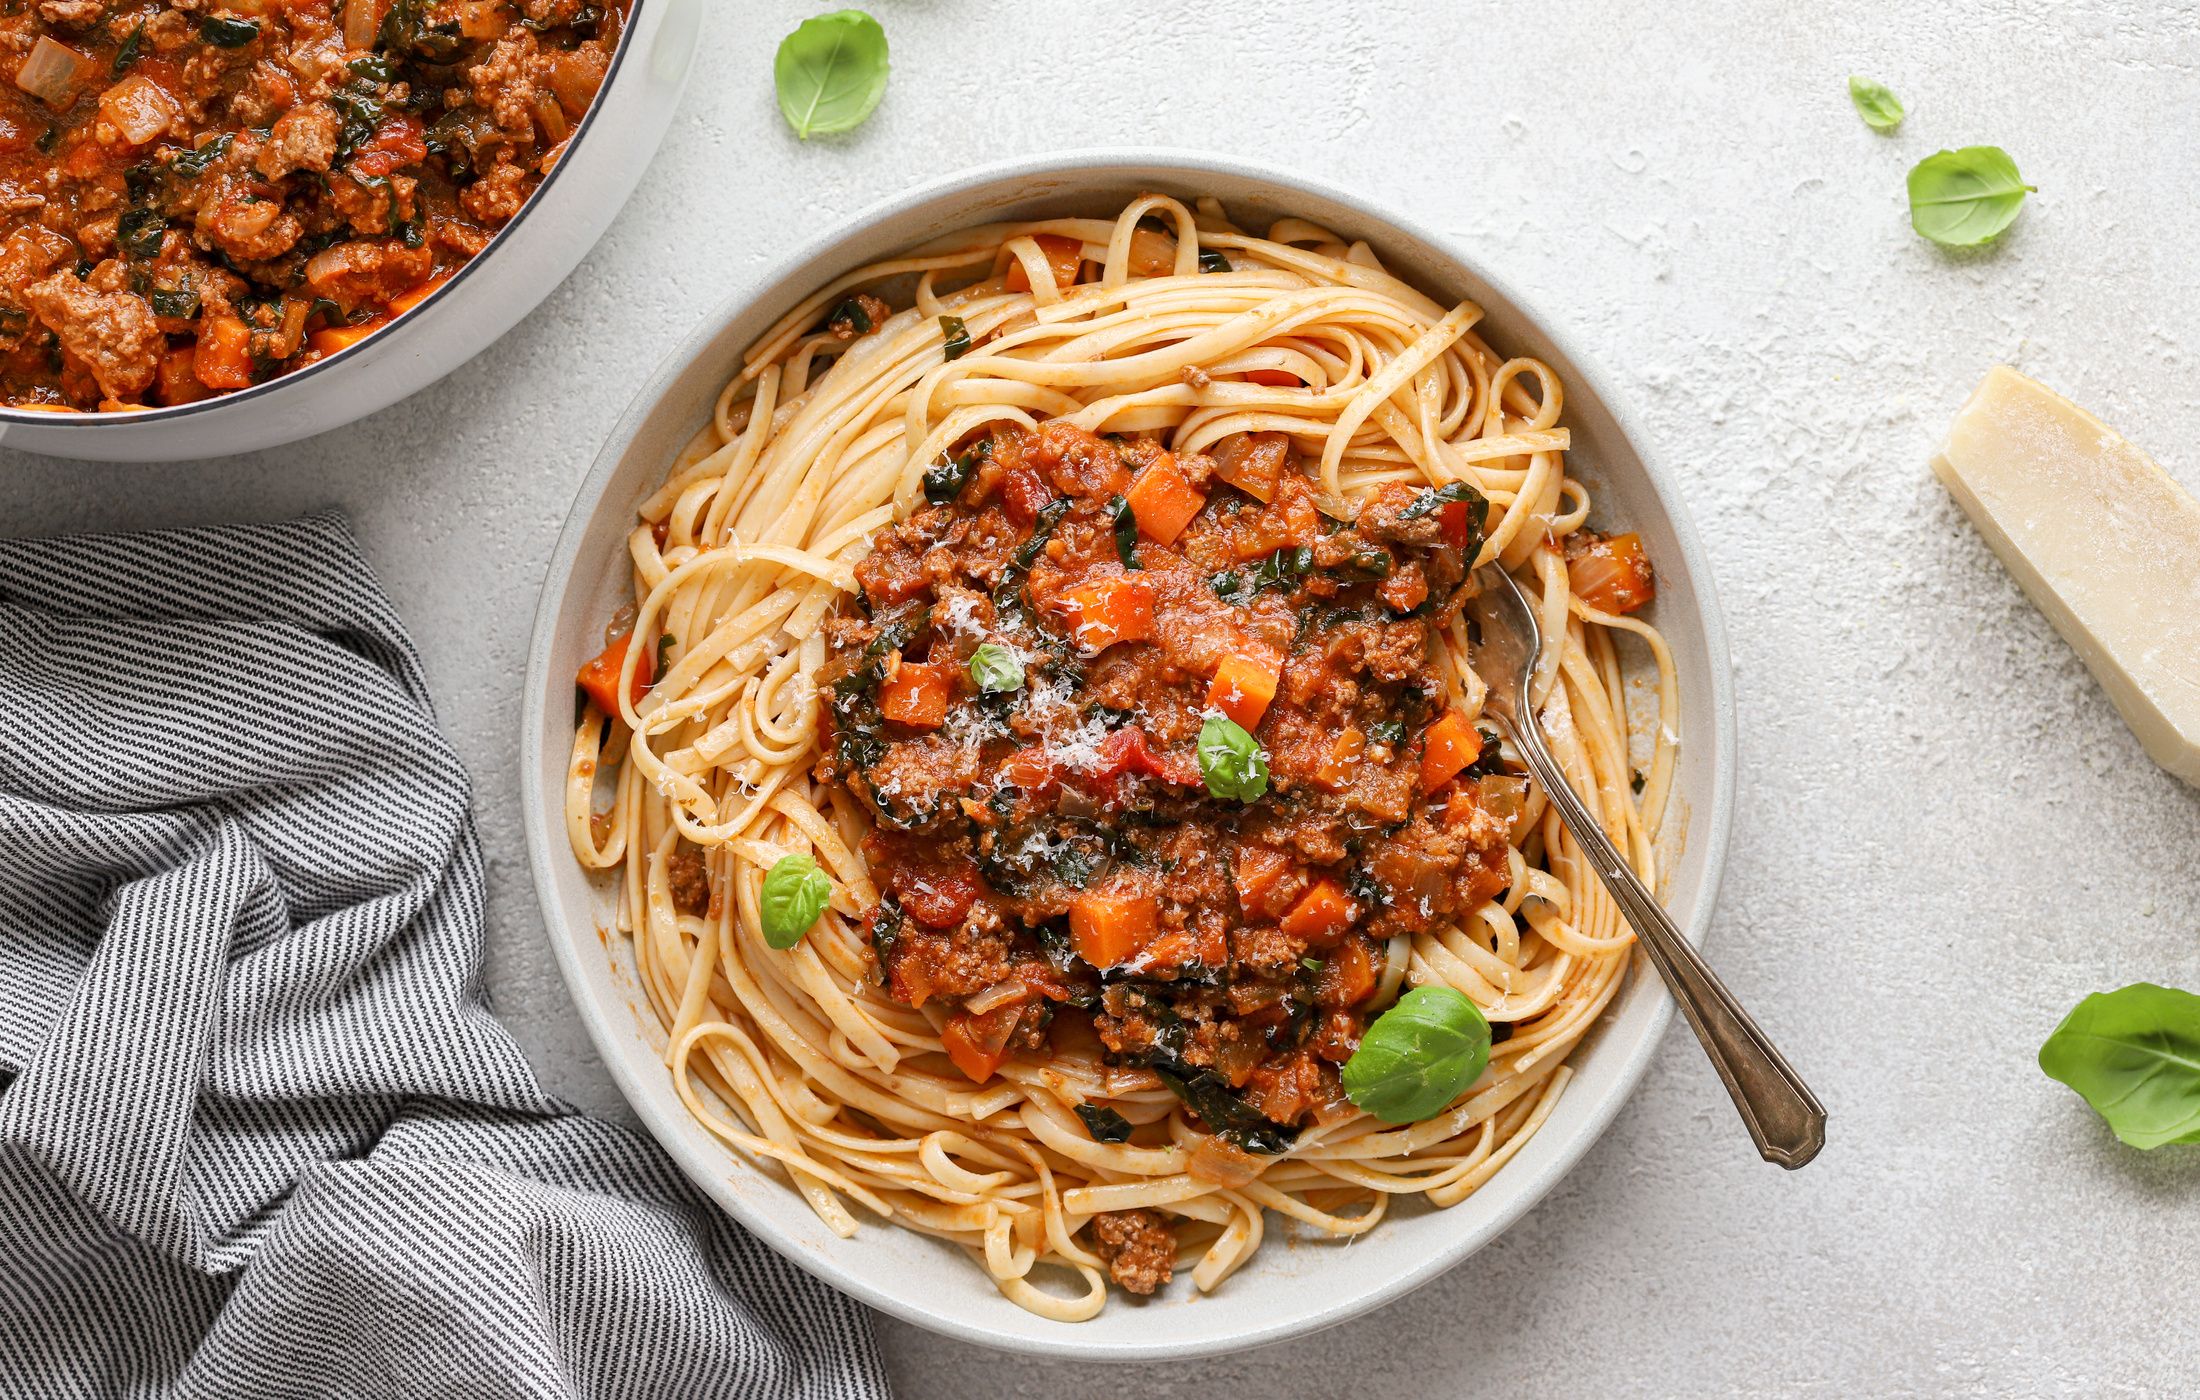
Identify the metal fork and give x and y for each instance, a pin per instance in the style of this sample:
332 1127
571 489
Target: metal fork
1784 1118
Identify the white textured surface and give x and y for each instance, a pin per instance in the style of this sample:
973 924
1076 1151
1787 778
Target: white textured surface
1945 836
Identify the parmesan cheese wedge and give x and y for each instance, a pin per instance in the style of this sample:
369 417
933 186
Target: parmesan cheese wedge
2100 539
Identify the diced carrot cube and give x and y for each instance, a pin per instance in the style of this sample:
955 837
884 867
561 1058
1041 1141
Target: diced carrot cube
1452 744
224 356
1163 500
1109 610
1261 873
1242 688
1337 765
1108 929
1322 915
917 695
1347 975
599 675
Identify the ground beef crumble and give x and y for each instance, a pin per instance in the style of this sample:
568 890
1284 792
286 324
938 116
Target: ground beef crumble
1138 1246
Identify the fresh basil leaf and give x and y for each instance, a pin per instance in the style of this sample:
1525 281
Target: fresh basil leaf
1212 260
1387 731
1231 760
1880 109
1105 1124
1126 531
2134 1054
995 668
1418 1056
1960 199
957 336
664 654
225 33
831 73
795 895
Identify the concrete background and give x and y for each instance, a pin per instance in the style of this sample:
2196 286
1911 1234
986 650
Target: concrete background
1945 836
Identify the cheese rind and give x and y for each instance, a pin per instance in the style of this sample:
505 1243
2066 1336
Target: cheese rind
2101 540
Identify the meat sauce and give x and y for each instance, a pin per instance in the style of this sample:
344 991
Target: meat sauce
1050 853
199 196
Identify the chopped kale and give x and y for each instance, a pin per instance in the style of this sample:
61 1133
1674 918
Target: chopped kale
1105 1124
1126 531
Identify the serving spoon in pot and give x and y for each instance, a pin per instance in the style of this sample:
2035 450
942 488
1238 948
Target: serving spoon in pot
1784 1118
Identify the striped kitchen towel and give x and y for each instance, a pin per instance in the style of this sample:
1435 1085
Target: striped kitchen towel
259 1135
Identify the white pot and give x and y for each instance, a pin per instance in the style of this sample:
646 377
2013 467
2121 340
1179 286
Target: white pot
527 258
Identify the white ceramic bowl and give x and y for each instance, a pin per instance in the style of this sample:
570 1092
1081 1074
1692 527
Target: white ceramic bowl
529 256
1290 1288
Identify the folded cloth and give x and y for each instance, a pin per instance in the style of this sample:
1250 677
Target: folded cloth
259 1134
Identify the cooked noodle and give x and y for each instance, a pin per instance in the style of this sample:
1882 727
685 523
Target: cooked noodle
799 1058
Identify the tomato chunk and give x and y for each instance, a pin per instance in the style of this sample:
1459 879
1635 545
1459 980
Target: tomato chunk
1128 750
936 896
1275 378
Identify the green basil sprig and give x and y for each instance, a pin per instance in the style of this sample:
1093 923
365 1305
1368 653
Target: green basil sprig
1231 760
831 73
1880 108
1418 1056
1960 199
795 895
994 668
2134 1054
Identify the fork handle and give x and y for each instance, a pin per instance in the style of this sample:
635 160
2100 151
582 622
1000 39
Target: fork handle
1784 1118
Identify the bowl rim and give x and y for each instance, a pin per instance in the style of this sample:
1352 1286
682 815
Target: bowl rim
86 422
1161 163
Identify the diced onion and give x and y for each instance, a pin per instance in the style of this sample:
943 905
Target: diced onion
53 72
1219 1164
140 108
362 19
999 994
